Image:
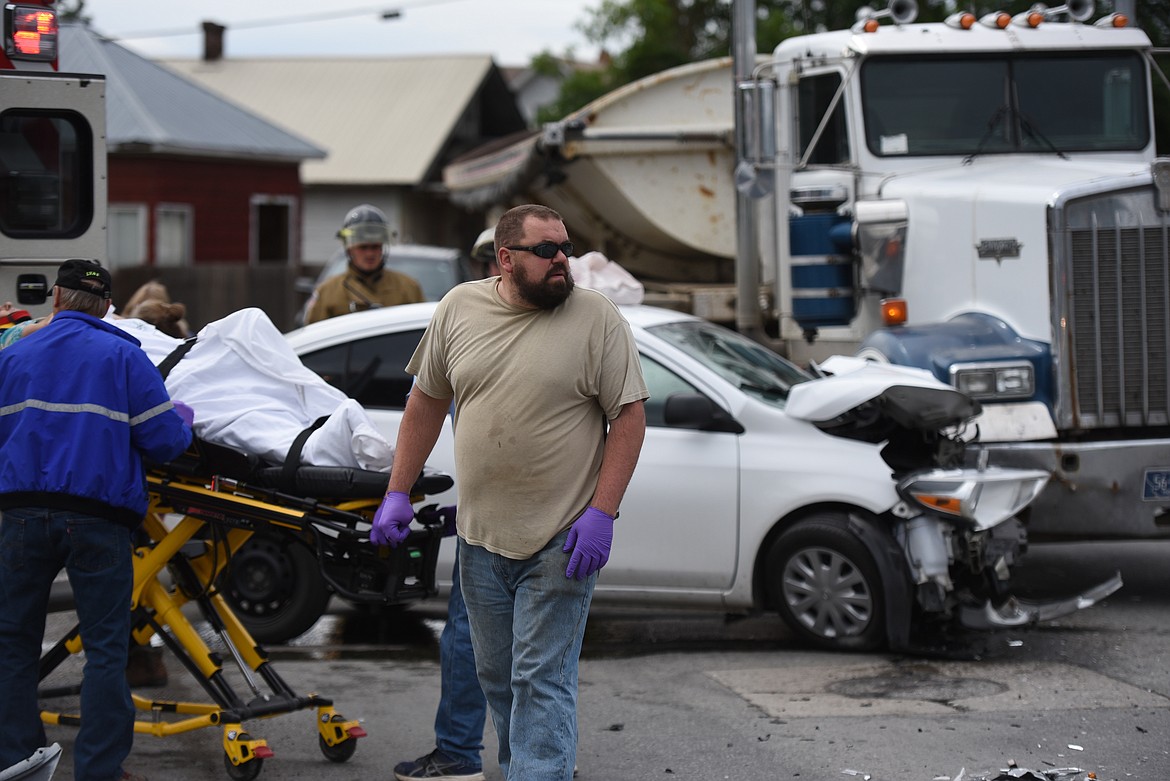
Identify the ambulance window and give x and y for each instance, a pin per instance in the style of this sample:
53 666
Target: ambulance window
815 95
46 164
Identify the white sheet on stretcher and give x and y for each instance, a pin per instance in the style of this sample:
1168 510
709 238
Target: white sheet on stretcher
251 392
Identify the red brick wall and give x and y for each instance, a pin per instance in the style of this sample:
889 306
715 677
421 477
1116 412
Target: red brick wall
217 191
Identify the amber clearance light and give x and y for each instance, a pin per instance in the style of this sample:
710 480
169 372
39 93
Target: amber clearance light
963 20
1113 20
996 19
1033 17
894 311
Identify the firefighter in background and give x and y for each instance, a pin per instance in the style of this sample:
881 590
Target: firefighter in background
483 254
366 283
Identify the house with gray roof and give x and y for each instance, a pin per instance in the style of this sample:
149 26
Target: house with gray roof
388 125
193 177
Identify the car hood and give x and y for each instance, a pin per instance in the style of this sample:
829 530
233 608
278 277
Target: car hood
859 394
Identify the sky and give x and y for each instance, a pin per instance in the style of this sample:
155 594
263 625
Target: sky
512 31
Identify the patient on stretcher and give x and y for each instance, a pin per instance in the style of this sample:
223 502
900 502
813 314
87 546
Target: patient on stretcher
250 392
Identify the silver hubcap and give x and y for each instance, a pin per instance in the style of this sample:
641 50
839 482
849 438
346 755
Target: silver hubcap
827 593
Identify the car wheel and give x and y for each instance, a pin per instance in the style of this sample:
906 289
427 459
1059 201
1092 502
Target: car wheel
274 585
826 585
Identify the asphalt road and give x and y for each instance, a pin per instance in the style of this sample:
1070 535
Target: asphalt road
668 695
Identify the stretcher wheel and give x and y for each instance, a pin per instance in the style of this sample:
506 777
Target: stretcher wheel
245 772
342 751
275 587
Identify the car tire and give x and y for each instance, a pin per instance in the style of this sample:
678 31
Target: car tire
275 586
826 585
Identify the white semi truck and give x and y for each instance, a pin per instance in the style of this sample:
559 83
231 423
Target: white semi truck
980 198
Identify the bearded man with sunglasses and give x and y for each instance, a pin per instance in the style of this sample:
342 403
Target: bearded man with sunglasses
549 422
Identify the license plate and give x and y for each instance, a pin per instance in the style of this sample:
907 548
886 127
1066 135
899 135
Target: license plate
1156 486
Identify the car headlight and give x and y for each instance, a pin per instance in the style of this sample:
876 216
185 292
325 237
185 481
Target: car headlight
982 497
995 381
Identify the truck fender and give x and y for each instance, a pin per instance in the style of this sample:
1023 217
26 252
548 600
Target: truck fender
972 337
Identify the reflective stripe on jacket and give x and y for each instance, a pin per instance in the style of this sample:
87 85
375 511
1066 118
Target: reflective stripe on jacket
81 406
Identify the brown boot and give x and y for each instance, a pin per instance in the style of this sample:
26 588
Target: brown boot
145 667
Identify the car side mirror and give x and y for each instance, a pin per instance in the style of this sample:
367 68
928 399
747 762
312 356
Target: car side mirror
694 410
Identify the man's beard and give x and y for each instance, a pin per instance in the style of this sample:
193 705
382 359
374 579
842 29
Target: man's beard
544 293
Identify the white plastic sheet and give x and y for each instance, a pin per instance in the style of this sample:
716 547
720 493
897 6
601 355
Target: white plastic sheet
596 271
250 392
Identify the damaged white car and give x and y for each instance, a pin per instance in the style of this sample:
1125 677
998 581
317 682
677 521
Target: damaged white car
853 505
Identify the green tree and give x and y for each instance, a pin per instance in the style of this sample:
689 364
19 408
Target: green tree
650 36
72 11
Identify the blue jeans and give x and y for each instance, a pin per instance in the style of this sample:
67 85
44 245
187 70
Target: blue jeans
462 709
527 625
35 544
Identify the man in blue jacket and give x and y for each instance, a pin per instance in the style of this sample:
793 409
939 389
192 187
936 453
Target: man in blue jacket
80 407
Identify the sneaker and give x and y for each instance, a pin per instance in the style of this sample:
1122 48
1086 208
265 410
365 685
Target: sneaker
439 767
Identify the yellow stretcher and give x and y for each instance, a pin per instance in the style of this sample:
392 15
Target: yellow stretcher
201 512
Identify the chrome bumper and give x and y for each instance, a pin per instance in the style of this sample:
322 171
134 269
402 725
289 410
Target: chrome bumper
1097 490
1020 612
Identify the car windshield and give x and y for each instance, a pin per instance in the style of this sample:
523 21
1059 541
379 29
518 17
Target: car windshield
434 275
748 365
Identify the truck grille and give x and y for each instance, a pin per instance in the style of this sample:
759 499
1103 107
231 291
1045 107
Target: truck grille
1114 365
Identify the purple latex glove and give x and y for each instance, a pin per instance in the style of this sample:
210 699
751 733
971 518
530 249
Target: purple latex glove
590 537
392 521
434 516
185 412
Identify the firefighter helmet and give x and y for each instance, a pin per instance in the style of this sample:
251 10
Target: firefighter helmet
364 224
484 249
483 253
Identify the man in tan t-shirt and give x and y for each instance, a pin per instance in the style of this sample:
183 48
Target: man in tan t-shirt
549 421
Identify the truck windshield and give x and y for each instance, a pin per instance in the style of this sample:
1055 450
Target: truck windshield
1064 102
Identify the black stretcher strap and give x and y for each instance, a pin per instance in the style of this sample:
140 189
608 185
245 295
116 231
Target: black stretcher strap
292 461
175 356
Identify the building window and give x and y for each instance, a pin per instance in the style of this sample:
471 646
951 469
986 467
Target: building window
272 228
174 228
126 238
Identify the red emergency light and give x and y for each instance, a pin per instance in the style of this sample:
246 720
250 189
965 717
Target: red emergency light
30 33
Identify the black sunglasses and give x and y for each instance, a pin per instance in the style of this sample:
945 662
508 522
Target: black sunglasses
547 249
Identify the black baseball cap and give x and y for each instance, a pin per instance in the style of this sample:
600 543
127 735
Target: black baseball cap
86 275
